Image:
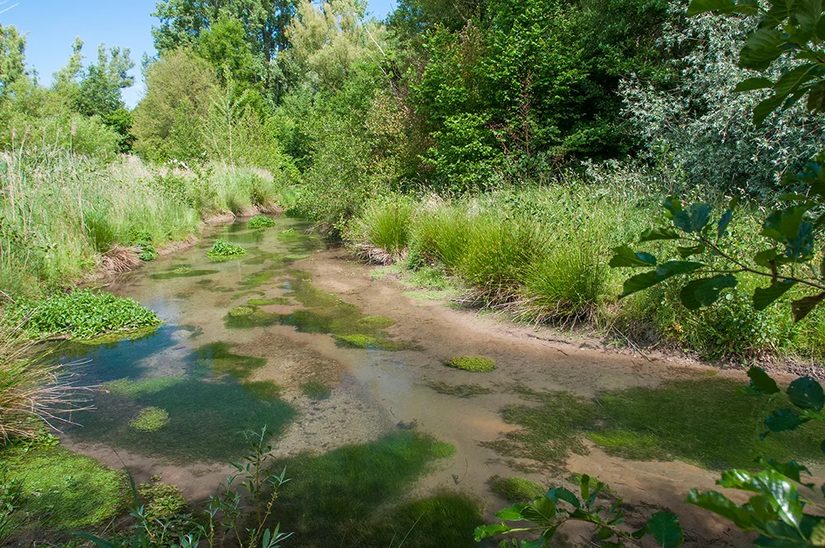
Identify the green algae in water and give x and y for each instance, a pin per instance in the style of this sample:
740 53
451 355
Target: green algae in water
474 364
263 389
267 302
316 390
516 489
246 237
150 419
256 280
134 388
706 421
182 272
221 361
207 421
459 390
333 495
63 491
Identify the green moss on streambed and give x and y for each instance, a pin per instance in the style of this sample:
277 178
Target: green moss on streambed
459 390
516 489
133 388
332 498
83 315
182 272
150 419
321 313
473 364
316 390
221 361
704 421
62 491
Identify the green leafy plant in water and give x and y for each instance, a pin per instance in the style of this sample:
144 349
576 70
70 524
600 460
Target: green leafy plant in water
261 221
162 500
150 419
546 514
474 364
225 251
82 314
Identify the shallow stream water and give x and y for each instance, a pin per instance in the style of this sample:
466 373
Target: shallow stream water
347 373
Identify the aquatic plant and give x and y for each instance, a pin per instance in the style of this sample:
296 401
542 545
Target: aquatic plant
162 501
139 387
224 251
81 314
459 390
150 419
182 272
261 221
516 489
475 364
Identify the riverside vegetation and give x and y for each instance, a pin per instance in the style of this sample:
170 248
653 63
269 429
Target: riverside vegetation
511 150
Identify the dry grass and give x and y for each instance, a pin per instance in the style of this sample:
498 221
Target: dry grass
33 390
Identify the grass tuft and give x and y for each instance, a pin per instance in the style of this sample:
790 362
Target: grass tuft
516 489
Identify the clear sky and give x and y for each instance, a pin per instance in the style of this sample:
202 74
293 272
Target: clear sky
51 26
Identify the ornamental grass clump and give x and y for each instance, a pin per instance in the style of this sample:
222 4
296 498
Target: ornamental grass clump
225 251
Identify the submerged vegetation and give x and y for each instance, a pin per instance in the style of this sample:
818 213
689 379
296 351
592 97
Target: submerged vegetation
474 364
225 251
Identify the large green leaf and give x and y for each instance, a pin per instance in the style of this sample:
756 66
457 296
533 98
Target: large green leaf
665 529
692 219
806 393
660 274
659 233
764 297
752 84
486 531
775 487
705 291
762 48
723 506
624 256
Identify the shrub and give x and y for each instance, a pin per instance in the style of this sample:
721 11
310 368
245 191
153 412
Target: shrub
224 251
82 314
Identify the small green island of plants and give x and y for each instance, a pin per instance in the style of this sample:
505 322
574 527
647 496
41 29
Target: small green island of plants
261 221
225 251
474 364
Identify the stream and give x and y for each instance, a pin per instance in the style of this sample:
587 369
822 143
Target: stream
384 444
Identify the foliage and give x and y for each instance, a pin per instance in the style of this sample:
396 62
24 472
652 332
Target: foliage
384 224
696 126
546 514
12 57
516 489
475 364
163 501
261 221
223 250
179 91
81 314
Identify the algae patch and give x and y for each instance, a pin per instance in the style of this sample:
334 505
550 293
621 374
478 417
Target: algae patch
516 489
315 390
150 419
459 390
182 272
706 421
474 364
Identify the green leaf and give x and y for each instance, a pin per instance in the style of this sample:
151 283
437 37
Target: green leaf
665 529
724 221
560 493
686 252
766 107
816 98
624 256
705 291
761 49
804 306
721 505
660 233
783 420
761 382
512 513
806 393
780 494
764 297
486 531
660 274
752 84
790 469
692 219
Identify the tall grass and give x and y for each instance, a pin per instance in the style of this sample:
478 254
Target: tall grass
542 254
59 212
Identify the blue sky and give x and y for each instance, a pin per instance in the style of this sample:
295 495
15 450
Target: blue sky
51 26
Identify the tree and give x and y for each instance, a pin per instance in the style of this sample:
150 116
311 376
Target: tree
12 57
179 91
